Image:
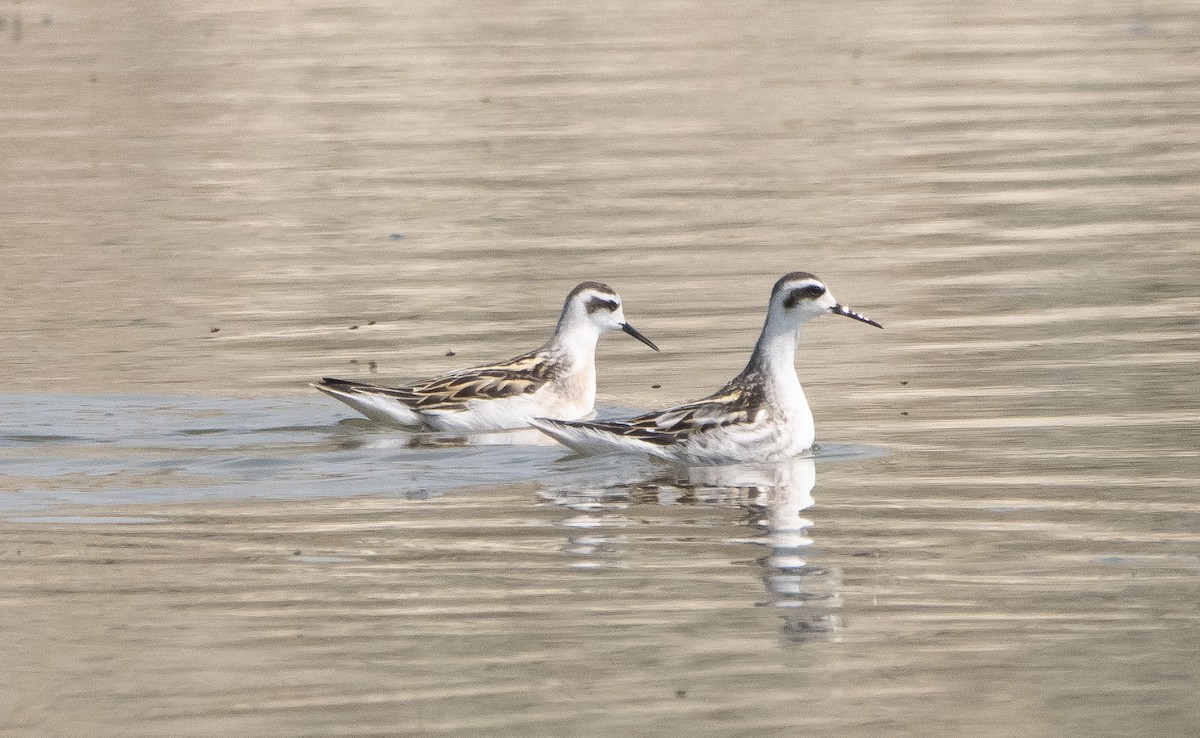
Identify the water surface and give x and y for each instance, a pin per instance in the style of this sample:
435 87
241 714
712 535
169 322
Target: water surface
207 205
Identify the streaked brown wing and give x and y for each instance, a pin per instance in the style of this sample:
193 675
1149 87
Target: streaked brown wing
737 402
519 376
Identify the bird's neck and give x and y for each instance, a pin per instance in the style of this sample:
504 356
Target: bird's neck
575 342
573 348
773 361
774 358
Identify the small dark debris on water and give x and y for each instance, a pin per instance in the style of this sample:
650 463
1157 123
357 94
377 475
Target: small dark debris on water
396 236
296 552
656 386
353 327
903 381
214 330
371 365
680 693
370 322
354 361
449 353
904 412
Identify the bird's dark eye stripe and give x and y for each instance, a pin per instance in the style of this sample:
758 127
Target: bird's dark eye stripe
599 303
807 292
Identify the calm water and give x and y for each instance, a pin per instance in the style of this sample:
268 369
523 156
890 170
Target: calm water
206 205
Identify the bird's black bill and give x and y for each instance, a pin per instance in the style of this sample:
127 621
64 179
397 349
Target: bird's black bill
843 310
636 334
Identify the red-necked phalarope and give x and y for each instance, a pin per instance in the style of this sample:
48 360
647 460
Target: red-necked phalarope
762 415
557 380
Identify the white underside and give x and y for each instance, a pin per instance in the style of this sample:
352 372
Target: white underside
590 441
785 433
510 412
479 415
766 445
380 408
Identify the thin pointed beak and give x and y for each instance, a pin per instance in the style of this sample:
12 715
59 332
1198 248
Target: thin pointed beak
843 310
636 334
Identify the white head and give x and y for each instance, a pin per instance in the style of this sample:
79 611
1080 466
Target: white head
597 307
799 297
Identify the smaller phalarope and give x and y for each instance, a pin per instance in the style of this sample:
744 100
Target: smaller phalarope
760 416
557 380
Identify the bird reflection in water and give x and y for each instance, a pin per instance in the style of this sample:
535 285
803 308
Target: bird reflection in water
771 498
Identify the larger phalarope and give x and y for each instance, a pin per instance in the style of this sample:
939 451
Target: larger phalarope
557 380
761 415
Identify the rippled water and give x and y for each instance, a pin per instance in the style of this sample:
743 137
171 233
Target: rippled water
207 205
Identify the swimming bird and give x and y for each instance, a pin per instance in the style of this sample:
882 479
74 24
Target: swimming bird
557 380
760 416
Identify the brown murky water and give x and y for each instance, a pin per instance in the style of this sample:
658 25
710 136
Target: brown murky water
199 200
